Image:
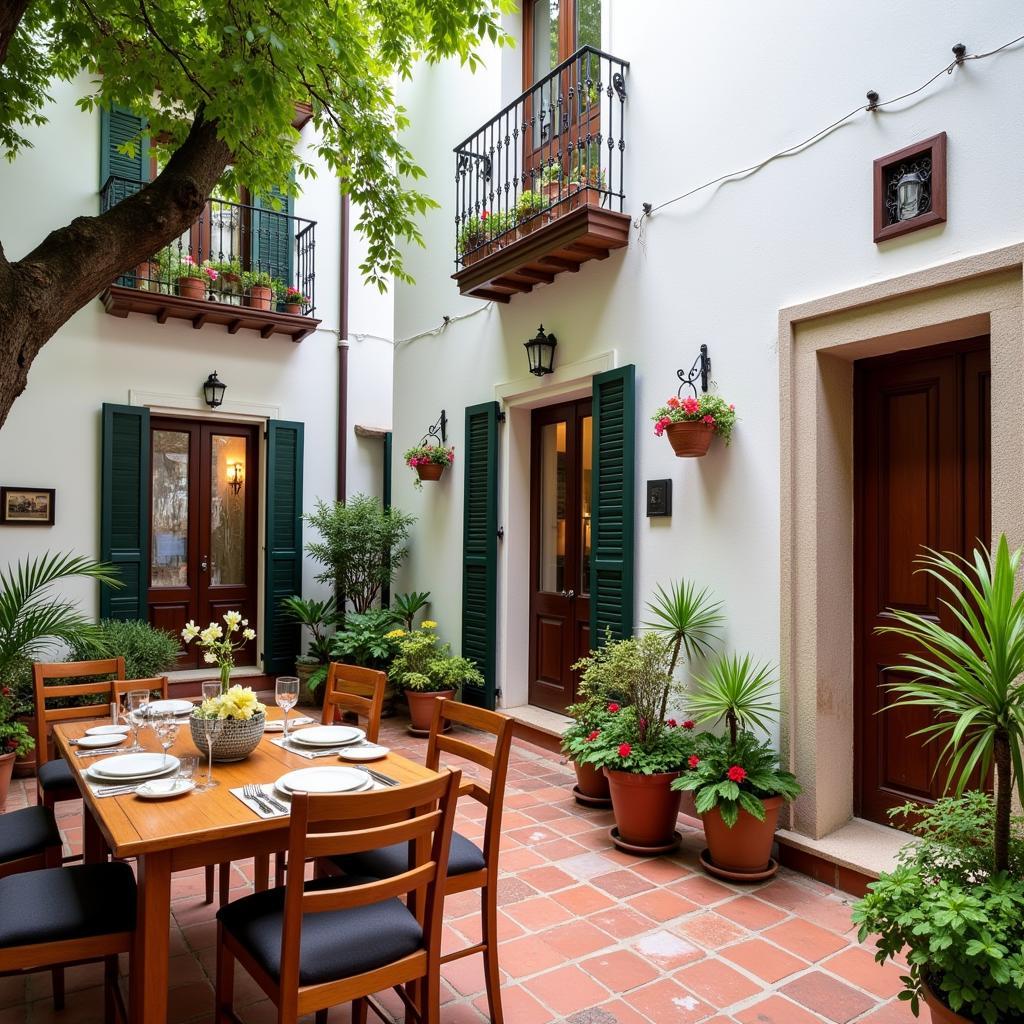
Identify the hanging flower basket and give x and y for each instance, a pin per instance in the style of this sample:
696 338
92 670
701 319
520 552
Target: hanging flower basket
430 471
429 460
692 422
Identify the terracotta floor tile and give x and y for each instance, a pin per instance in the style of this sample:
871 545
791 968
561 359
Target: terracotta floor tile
538 913
805 939
547 879
701 890
858 966
750 912
567 990
666 950
578 939
620 970
560 849
662 870
621 922
717 983
763 959
513 861
776 1010
895 1012
517 1005
662 904
833 999
615 1012
528 955
583 899
709 931
665 1001
621 883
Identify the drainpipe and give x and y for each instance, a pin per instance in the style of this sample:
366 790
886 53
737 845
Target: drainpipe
343 354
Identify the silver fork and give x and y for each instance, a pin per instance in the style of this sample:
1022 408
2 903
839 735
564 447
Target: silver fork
255 794
272 800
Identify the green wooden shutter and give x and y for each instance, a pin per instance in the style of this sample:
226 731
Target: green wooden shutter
117 126
273 242
124 509
385 500
480 549
611 558
283 576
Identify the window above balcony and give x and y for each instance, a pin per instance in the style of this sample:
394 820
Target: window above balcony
242 265
540 187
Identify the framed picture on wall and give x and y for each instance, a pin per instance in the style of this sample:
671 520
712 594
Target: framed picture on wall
26 506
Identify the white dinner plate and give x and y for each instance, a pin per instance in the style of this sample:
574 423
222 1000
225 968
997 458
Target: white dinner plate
106 780
108 730
175 707
325 780
133 766
364 752
161 789
277 725
110 739
329 735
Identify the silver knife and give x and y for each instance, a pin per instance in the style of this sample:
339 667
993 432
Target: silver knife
98 752
273 801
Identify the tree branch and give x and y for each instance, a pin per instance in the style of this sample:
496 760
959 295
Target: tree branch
11 13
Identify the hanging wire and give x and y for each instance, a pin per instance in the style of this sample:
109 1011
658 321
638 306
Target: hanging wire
873 104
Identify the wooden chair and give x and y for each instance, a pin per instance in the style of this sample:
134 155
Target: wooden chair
57 917
29 840
54 778
313 945
469 867
155 684
357 690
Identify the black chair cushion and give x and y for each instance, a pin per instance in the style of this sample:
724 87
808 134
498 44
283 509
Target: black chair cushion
27 832
55 904
335 943
56 774
463 857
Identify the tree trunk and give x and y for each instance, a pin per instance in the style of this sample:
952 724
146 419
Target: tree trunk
1004 795
73 264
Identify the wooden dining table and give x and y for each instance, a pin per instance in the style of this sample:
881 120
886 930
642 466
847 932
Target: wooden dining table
186 832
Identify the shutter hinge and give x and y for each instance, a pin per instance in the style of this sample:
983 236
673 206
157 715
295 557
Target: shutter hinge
497 693
501 416
501 533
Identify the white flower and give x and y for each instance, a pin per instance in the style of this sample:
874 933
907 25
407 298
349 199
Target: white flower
190 632
232 619
245 622
249 634
210 658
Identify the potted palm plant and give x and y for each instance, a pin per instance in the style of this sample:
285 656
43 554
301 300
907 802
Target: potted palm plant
692 422
738 786
33 622
956 913
318 617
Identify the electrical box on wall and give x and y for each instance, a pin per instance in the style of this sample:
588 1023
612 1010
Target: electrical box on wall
659 498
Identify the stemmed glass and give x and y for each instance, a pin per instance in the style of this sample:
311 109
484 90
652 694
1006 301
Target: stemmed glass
286 693
166 726
133 713
212 728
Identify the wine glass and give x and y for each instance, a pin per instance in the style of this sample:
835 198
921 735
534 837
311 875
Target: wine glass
133 711
286 693
166 726
212 728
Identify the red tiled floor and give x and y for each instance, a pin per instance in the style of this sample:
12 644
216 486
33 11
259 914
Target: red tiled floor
587 934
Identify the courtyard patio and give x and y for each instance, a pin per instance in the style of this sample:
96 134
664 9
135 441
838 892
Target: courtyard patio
589 935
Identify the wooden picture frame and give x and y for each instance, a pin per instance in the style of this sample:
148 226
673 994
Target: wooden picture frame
887 169
27 506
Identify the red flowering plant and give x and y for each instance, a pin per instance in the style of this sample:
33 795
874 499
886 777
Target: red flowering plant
14 736
736 770
425 454
602 695
712 410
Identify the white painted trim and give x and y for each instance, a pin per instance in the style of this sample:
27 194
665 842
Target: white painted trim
526 392
193 405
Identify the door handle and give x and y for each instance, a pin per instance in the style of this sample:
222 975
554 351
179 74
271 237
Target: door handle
204 564
569 594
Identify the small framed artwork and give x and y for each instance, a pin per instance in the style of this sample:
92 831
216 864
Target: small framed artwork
26 506
910 188
659 498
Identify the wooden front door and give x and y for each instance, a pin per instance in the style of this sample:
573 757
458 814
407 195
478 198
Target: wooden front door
204 488
922 471
560 502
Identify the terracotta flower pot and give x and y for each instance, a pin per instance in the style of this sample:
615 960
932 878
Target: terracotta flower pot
941 1013
421 706
259 297
645 808
746 848
6 769
293 308
591 781
192 287
690 439
430 471
25 765
147 276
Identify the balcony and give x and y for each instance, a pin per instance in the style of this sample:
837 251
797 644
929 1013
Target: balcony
242 266
540 187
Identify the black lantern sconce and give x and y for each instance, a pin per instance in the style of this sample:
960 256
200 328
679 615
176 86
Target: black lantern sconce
236 476
213 390
540 351
437 430
701 369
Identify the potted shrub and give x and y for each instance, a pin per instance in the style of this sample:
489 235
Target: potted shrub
147 651
229 280
736 780
429 460
553 183
473 237
586 185
590 718
15 741
33 622
691 423
258 288
318 617
529 212
407 606
294 301
369 639
194 279
958 909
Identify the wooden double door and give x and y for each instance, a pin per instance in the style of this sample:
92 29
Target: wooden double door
560 521
922 479
204 518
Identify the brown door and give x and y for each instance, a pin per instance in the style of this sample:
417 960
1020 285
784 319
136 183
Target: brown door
921 478
562 443
203 506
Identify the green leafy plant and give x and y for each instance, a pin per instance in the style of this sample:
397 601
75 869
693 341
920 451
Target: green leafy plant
227 270
972 684
474 232
958 922
362 546
367 638
455 672
256 279
737 692
14 736
688 617
710 409
427 455
625 741
147 651
425 665
529 205
316 616
408 606
32 621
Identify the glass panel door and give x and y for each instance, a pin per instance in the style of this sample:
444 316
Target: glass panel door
227 509
586 499
169 547
554 473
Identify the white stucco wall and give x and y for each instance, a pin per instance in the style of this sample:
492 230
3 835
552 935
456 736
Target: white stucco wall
52 436
711 88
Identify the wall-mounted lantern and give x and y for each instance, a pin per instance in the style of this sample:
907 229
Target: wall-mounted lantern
540 351
236 476
213 390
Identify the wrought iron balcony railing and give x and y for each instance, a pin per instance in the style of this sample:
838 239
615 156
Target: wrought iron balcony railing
232 252
558 146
